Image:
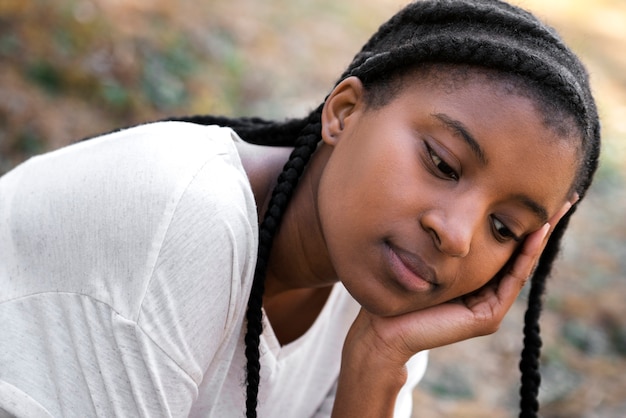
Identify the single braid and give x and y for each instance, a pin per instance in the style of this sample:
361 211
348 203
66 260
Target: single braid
254 130
306 143
529 363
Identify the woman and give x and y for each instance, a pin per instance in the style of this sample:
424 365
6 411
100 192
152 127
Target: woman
414 204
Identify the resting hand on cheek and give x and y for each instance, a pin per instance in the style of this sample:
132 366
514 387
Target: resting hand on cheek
377 348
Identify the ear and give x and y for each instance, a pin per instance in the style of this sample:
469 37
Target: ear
342 103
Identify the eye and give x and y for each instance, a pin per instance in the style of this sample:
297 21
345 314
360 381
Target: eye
502 232
441 166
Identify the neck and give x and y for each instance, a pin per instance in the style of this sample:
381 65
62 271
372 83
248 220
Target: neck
299 257
262 164
299 275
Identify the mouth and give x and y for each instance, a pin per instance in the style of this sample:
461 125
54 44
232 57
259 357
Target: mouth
410 271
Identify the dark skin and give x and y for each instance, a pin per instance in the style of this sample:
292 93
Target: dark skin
399 205
263 165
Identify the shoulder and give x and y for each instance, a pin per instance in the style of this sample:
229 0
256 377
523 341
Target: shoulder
202 273
148 163
152 154
170 148
93 218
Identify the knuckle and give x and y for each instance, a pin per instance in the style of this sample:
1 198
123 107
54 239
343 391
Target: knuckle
487 322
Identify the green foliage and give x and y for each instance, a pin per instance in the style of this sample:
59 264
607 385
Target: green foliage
164 73
114 95
46 75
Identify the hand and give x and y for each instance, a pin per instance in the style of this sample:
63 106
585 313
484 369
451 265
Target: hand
480 313
377 348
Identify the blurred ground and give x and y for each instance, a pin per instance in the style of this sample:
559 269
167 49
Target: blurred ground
74 68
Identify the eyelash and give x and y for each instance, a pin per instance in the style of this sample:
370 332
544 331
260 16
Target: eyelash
506 235
502 232
440 165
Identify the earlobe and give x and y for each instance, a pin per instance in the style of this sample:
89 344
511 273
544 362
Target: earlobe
341 104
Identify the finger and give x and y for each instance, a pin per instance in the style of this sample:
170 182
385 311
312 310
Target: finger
511 284
527 258
436 326
507 289
560 213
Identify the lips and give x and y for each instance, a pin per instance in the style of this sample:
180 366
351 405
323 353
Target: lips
410 271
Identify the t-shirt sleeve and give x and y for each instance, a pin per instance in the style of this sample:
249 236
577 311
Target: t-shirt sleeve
124 264
201 280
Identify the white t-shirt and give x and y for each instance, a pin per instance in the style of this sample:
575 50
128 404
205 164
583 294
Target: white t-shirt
125 267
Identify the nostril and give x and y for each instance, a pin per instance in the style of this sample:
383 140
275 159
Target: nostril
436 237
449 246
451 236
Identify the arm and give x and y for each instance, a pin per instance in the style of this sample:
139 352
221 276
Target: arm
416 367
386 344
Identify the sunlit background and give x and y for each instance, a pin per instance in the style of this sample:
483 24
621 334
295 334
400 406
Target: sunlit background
74 68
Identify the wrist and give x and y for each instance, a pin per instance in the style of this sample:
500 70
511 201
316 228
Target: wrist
368 385
364 391
371 365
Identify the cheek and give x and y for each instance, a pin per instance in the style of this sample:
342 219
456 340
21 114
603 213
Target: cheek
353 206
502 265
337 206
484 267
356 187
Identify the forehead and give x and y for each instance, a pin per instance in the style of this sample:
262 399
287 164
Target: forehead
451 77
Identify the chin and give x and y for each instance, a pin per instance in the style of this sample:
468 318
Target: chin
382 306
382 311
385 302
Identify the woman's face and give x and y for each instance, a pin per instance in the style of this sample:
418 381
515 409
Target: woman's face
426 198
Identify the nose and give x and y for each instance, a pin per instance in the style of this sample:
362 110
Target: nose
452 231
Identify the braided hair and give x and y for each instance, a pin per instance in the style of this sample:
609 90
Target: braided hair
483 34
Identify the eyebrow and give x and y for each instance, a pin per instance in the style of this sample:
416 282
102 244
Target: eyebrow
461 131
534 207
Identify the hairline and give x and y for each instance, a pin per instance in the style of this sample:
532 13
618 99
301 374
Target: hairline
452 77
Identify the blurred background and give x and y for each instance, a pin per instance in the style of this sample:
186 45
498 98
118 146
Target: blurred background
70 69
